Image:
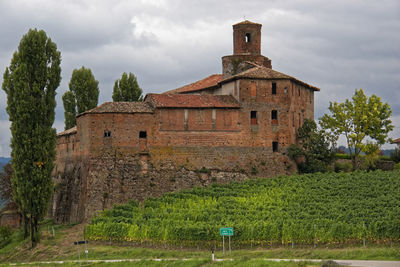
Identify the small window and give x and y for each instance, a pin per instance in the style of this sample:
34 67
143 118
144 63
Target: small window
299 90
253 117
275 146
285 90
107 133
274 88
142 134
274 115
247 38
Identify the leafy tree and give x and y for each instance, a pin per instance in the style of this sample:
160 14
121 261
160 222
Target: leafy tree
69 109
127 89
83 95
30 83
360 119
315 145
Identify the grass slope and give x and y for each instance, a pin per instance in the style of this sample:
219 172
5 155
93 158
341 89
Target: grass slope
320 209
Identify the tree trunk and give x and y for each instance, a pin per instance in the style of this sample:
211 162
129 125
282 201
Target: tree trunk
26 225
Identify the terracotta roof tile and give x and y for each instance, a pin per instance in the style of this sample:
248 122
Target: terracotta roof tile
396 141
208 82
121 107
192 101
261 72
246 22
68 132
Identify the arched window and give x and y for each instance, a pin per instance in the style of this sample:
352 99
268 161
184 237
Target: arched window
247 38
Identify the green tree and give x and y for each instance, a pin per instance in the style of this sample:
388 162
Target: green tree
69 109
316 145
127 89
360 119
30 83
83 95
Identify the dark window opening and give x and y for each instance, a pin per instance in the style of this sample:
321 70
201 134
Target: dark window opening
142 134
275 146
107 133
274 88
274 115
247 38
253 117
299 91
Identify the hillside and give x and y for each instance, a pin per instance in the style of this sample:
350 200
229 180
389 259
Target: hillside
329 208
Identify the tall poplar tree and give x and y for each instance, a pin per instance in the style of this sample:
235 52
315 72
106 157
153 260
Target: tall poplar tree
127 89
83 95
30 83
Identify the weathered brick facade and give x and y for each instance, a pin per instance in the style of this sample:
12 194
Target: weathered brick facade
222 128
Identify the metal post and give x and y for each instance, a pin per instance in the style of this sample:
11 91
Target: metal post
86 252
79 255
223 245
364 234
212 255
229 245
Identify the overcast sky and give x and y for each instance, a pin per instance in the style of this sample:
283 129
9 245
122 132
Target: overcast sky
337 46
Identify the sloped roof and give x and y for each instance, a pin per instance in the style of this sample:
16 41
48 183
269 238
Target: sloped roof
191 101
260 72
208 82
68 132
246 22
120 107
396 141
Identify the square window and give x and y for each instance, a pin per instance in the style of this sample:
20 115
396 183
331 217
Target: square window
142 134
107 133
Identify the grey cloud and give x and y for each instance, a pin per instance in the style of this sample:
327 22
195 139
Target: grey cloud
336 45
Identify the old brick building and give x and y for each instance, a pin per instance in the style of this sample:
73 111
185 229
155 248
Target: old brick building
224 127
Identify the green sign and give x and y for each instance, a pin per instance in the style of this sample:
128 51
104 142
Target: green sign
228 231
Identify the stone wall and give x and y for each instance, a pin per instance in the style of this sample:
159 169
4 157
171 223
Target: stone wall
117 176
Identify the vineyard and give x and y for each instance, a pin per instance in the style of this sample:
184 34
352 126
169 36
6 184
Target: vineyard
314 209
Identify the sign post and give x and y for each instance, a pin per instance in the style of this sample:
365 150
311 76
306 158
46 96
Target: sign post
226 231
79 252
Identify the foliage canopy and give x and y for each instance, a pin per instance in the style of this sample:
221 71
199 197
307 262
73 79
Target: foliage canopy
30 83
127 89
364 121
83 95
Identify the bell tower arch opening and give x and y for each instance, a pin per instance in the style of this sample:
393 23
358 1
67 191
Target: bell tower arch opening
247 38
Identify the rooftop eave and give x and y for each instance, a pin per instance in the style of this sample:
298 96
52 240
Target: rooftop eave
233 78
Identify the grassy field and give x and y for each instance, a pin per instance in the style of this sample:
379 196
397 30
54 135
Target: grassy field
60 247
279 202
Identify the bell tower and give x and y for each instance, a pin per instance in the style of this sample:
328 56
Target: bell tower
247 38
246 50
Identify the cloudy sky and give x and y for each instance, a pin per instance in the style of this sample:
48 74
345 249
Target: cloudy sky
337 45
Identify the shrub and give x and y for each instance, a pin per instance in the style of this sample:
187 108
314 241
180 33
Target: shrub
397 166
343 167
5 236
342 156
395 155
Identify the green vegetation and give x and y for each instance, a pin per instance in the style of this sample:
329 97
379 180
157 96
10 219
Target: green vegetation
330 209
365 123
127 89
316 146
30 83
83 95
